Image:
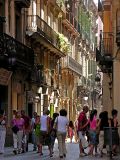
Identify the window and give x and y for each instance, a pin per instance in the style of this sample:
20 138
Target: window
18 34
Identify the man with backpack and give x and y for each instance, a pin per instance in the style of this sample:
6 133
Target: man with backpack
82 127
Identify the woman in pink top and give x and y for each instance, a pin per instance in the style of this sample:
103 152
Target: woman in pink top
92 132
18 132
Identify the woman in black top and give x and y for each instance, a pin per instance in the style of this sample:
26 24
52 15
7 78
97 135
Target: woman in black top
114 123
103 122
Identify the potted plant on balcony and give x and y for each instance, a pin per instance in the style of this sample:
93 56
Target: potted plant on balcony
63 43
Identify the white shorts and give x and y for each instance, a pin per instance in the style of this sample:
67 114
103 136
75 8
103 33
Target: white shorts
83 139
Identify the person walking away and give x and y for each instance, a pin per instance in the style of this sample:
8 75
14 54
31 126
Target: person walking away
33 126
102 122
61 124
26 130
18 132
53 131
71 131
45 126
92 131
82 127
2 131
114 123
37 132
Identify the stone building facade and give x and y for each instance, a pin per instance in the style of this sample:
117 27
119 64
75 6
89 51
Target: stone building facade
108 55
47 55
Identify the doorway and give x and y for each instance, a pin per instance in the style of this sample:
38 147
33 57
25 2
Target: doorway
4 98
30 110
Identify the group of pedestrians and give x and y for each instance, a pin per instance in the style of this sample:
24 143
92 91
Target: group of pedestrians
49 130
88 131
44 130
93 129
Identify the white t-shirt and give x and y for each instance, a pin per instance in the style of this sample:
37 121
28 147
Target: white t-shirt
43 122
62 122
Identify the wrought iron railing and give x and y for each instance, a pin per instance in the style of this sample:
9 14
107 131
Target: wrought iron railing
10 48
104 54
37 24
72 64
106 43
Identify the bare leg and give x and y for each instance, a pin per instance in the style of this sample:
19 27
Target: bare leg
91 149
40 149
50 150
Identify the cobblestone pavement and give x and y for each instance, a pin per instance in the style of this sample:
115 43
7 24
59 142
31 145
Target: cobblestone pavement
72 154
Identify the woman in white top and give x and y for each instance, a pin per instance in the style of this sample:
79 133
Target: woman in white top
2 131
62 124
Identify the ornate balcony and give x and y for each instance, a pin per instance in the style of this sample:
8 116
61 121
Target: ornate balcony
14 53
71 23
44 34
69 63
105 51
23 3
59 5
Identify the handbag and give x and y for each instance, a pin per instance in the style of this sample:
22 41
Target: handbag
15 129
